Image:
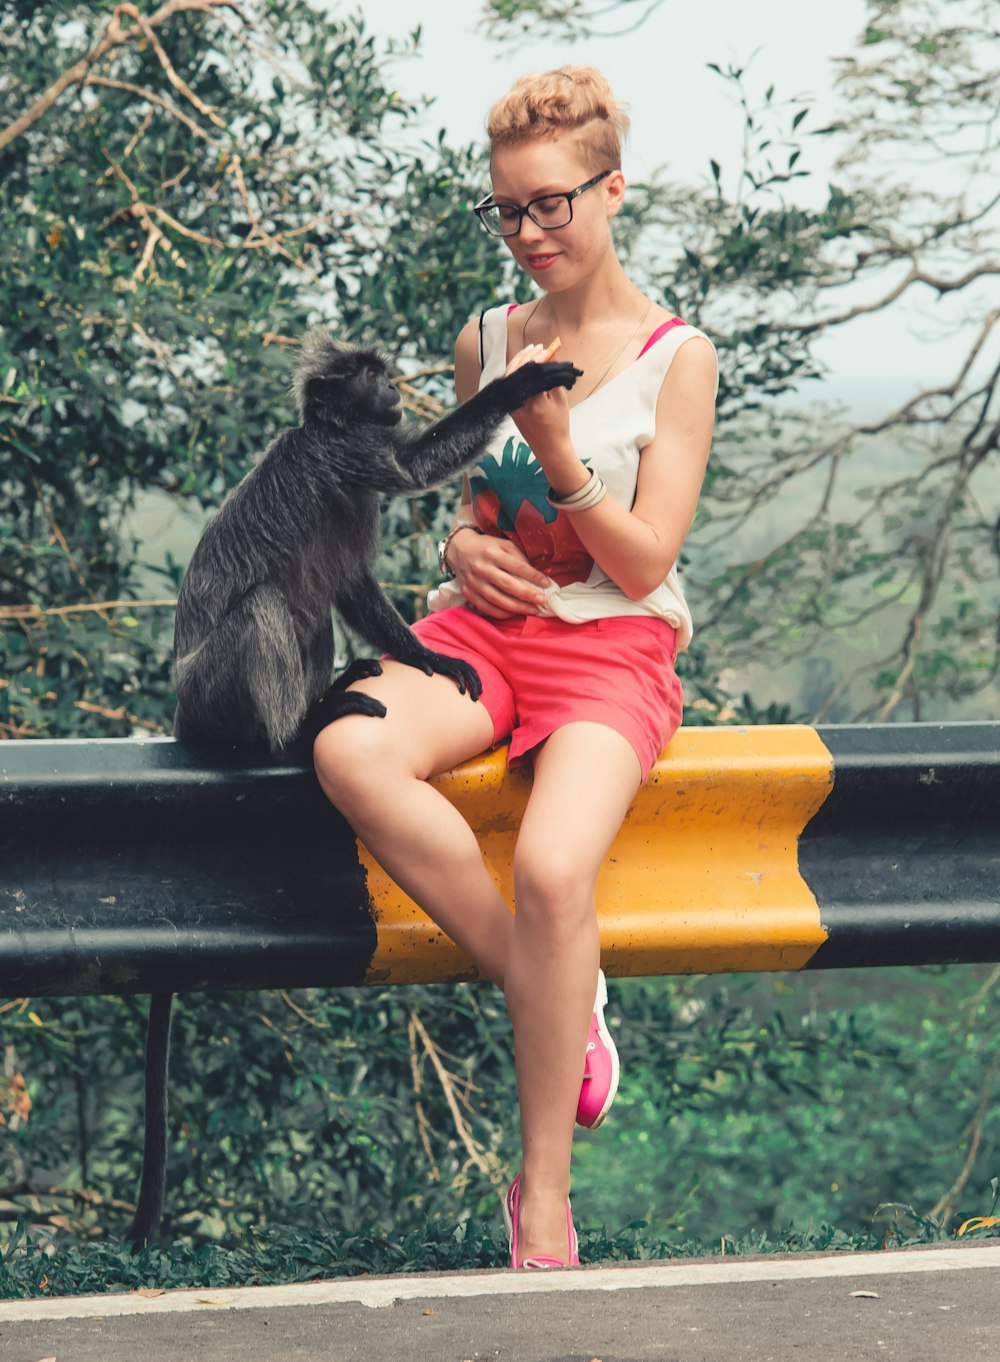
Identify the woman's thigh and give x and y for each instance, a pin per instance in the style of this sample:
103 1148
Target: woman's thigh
586 776
429 727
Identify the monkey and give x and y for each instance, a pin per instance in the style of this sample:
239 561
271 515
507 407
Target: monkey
253 637
253 640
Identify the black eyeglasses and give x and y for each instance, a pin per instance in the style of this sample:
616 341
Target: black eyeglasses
548 211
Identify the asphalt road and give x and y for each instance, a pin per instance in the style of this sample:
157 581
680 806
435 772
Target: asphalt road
921 1305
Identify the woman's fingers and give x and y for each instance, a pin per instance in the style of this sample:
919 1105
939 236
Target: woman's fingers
531 354
510 592
496 578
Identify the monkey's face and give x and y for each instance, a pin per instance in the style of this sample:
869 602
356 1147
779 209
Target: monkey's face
379 396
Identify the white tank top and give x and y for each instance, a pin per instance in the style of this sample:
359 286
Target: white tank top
609 431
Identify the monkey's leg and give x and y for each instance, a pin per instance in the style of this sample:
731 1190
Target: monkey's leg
154 1155
317 660
339 701
368 611
246 679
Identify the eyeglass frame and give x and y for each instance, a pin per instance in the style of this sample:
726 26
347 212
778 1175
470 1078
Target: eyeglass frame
569 195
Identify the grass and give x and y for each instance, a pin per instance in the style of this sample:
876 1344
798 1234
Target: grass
39 1268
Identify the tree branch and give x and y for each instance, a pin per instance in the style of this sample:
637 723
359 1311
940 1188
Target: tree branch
116 35
153 99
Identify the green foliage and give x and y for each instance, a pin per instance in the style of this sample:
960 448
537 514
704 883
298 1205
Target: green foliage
28 1270
565 19
770 1101
161 255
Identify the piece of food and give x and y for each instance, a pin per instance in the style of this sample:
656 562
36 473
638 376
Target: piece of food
552 349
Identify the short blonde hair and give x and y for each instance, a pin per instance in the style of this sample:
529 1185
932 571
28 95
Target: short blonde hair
570 99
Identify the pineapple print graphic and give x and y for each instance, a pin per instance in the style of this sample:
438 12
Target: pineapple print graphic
509 498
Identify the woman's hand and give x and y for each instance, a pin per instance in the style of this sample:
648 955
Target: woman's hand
544 421
495 577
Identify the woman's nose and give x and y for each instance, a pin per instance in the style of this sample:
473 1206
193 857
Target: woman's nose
530 231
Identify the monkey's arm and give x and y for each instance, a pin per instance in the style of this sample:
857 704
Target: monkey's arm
370 613
446 447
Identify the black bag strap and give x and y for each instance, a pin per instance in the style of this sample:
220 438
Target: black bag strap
482 353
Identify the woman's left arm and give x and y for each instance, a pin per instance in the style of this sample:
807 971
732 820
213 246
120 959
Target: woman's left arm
638 547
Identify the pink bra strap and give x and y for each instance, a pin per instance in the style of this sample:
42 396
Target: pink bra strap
512 308
661 331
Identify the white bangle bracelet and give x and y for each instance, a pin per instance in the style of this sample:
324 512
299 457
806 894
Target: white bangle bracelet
592 491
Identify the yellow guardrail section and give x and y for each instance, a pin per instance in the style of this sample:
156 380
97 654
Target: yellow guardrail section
703 877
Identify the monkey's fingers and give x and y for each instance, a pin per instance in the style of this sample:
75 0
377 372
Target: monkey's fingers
349 702
558 374
553 347
359 670
465 677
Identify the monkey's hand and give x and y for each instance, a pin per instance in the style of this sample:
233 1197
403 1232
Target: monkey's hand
465 676
530 379
358 670
334 705
338 701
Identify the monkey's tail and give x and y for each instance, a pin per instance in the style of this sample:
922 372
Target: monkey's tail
146 1224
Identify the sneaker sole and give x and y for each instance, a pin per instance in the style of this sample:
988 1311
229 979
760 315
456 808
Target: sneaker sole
600 1004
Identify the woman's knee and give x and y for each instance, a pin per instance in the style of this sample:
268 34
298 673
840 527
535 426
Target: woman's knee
551 885
354 756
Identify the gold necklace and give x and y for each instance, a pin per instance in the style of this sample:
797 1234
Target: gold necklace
631 338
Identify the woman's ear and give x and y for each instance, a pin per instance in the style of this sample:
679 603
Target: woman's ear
614 192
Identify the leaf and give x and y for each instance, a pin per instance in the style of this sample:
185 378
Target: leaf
148 1292
212 1300
979 1222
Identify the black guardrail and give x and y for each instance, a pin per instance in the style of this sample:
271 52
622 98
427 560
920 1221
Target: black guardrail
142 866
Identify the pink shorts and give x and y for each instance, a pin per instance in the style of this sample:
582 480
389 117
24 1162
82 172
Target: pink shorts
539 673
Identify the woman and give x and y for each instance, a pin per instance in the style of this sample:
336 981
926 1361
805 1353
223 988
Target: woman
565 598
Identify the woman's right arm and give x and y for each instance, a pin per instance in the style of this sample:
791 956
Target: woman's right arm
492 573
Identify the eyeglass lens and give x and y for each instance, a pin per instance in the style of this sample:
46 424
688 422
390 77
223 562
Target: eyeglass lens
552 210
504 219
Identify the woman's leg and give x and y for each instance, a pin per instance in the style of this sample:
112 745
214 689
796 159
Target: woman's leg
586 776
375 771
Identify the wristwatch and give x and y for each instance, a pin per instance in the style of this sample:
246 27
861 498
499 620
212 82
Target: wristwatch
442 548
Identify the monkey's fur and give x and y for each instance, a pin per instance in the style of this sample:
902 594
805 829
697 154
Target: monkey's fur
253 639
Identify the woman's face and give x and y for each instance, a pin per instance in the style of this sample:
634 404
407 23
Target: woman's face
559 257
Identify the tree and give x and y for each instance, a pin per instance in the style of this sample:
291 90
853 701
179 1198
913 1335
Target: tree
183 190
512 19
878 537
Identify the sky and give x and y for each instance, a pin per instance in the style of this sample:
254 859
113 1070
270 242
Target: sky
680 112
683 115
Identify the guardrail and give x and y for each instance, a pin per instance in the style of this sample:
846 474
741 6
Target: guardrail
142 866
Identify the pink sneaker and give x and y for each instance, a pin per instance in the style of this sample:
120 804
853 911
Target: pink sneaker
600 1074
512 1216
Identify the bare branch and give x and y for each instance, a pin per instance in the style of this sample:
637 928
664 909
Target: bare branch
37 612
116 35
915 276
181 86
943 1209
170 107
